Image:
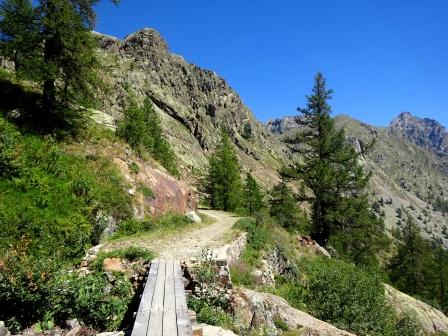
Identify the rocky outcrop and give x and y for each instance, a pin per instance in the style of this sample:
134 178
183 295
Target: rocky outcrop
261 310
431 319
193 103
155 191
426 133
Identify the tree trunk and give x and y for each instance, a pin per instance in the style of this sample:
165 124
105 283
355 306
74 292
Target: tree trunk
49 102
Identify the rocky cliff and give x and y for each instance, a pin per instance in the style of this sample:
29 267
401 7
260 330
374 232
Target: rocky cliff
426 133
194 103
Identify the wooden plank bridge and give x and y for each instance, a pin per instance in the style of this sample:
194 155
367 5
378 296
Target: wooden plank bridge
163 307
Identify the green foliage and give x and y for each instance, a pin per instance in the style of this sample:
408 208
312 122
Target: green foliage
146 191
330 169
11 159
134 168
140 127
223 182
257 239
89 298
347 297
48 217
166 222
131 253
283 207
407 324
209 314
242 274
252 198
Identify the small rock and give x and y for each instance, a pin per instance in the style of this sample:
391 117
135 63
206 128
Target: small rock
131 192
111 333
76 331
3 330
72 323
113 264
193 216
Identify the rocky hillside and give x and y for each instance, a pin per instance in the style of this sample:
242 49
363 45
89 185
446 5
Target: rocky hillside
406 175
426 133
194 103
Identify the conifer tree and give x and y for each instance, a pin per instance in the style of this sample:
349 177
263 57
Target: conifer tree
409 270
52 43
334 180
223 182
252 195
283 207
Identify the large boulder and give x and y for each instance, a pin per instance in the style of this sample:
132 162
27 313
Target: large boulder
168 193
261 310
431 319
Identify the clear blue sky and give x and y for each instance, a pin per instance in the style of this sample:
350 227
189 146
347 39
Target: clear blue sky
381 57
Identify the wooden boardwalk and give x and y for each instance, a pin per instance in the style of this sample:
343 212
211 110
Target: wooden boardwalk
163 307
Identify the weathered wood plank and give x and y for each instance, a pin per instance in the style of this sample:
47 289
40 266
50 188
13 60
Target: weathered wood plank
142 318
155 326
181 298
169 301
183 324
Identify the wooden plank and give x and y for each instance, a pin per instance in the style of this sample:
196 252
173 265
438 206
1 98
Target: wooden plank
183 324
181 298
142 318
155 326
169 304
182 318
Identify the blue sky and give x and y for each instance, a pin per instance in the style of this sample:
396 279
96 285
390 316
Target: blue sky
381 57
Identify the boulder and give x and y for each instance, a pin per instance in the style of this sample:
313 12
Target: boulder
260 310
3 330
193 216
431 319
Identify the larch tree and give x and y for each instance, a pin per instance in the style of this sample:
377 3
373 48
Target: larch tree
223 181
252 198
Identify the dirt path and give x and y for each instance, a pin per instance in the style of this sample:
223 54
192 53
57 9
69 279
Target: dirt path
186 243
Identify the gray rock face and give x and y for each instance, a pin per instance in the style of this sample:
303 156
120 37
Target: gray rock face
426 133
194 103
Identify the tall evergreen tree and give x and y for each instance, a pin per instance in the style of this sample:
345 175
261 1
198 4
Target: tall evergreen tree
223 182
409 270
334 180
252 198
284 208
19 34
61 55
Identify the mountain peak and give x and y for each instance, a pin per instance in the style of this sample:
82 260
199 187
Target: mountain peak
426 132
147 38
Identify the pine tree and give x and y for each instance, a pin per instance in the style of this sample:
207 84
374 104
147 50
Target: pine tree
283 207
19 34
141 129
409 269
223 182
334 180
253 196
60 55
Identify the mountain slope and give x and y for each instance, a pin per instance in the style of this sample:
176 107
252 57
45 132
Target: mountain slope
406 176
194 103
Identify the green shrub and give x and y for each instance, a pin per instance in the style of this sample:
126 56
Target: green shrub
347 297
92 300
131 253
11 158
242 274
257 238
209 314
146 191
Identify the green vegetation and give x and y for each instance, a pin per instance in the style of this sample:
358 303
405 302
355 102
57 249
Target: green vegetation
50 42
223 182
283 207
131 253
140 127
50 203
252 198
334 182
418 268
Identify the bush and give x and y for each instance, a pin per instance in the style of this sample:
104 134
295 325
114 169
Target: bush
347 297
90 299
257 238
131 253
11 159
168 222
